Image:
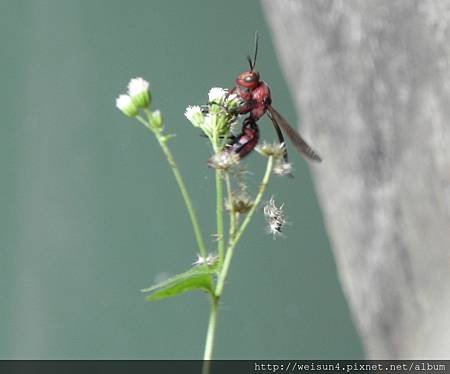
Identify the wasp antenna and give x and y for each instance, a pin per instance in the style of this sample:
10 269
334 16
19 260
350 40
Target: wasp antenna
250 62
256 49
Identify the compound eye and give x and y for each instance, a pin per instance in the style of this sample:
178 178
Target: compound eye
249 78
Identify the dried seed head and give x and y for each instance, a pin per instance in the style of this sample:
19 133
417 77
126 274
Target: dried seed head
275 228
277 150
283 168
271 211
275 218
223 160
240 203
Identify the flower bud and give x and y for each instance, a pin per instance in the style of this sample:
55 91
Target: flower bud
138 90
126 106
156 119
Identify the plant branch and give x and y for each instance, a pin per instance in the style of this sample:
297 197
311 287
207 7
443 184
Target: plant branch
162 140
230 250
226 265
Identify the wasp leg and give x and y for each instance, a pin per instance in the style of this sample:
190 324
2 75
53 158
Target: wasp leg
282 141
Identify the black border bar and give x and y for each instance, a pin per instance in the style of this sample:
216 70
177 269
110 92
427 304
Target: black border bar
224 366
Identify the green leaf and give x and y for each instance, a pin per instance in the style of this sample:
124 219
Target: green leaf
197 278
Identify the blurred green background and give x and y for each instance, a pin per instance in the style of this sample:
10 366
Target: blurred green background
90 212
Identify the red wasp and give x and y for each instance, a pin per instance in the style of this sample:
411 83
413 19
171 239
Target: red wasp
256 100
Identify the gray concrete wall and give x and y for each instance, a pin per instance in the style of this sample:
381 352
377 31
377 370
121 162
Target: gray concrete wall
371 82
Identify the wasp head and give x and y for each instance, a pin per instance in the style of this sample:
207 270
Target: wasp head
248 80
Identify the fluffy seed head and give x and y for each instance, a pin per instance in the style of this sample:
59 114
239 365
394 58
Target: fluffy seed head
223 160
275 218
241 203
283 168
277 150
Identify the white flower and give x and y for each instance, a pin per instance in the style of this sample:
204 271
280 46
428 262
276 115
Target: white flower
220 100
126 105
283 168
215 118
138 89
123 102
234 102
195 115
208 260
137 85
217 95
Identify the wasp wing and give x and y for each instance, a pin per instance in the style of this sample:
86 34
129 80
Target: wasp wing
280 137
295 137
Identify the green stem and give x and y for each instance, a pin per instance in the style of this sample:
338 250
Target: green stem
226 264
162 140
209 345
219 202
219 215
232 213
